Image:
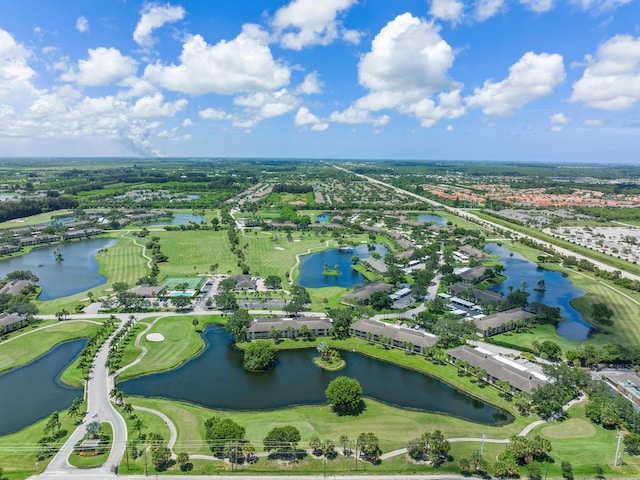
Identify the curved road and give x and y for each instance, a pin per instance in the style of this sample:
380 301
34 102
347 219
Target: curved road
99 409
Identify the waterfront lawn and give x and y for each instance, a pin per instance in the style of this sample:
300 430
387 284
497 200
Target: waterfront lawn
122 262
267 256
35 219
540 333
34 342
393 426
625 329
181 343
326 297
18 451
194 251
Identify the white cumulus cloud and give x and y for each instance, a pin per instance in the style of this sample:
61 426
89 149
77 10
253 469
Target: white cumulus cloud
153 17
538 6
449 10
258 106
532 77
212 114
611 80
485 9
103 67
311 85
82 24
155 106
407 65
228 67
304 118
304 23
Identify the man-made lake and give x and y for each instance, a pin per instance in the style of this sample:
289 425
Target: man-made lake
178 219
323 218
312 267
297 381
431 218
34 391
76 273
559 290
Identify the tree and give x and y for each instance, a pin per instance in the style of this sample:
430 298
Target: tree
550 350
567 470
323 350
228 284
53 423
181 302
238 323
282 439
74 408
220 432
632 443
120 287
369 447
314 443
259 356
341 321
195 324
227 301
344 441
273 282
381 300
94 430
344 394
601 313
182 459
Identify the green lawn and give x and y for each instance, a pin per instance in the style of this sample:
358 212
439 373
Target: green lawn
18 451
35 219
181 343
37 340
194 251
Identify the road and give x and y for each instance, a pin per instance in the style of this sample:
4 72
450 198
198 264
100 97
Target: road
99 409
468 215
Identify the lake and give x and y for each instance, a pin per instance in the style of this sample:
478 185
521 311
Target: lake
177 219
295 380
76 273
34 391
323 218
431 218
312 266
560 291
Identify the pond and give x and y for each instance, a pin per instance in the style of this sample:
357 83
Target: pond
177 219
76 273
34 391
312 267
323 218
431 218
297 381
559 290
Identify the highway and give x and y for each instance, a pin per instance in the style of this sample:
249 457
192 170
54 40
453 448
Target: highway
467 215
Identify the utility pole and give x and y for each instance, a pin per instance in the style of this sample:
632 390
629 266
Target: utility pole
618 451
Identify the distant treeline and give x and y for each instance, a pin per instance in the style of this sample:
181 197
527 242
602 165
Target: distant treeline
33 206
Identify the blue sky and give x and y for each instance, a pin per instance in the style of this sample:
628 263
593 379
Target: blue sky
509 80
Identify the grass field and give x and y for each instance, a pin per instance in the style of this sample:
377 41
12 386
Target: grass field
35 219
18 451
180 344
194 251
38 339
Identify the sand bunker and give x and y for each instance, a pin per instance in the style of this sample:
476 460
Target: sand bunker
155 337
278 248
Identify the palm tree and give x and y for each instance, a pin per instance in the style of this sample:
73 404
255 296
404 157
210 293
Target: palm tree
74 408
138 425
195 323
344 440
524 285
540 286
128 409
